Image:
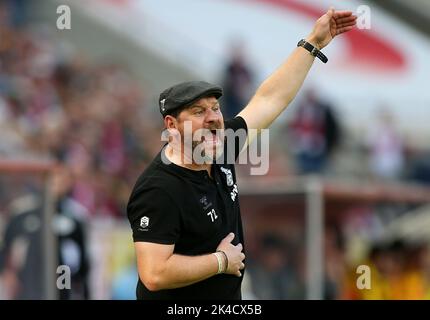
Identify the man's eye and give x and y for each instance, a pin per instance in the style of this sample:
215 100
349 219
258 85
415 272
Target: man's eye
198 112
216 108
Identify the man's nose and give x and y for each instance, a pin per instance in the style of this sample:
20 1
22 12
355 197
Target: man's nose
212 116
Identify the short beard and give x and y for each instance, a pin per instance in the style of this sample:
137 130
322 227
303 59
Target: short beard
207 157
207 147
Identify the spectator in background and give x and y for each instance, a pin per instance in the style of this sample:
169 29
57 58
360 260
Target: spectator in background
274 277
396 273
84 115
386 150
69 226
21 249
16 12
420 168
237 82
55 104
334 262
315 133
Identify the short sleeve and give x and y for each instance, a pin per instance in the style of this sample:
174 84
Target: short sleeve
236 135
153 216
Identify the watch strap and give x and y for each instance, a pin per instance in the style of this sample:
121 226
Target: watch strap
314 51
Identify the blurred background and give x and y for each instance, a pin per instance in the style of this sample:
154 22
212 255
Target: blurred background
349 176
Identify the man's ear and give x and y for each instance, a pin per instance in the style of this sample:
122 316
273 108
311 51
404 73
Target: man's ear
170 122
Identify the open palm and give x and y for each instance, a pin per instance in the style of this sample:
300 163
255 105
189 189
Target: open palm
331 24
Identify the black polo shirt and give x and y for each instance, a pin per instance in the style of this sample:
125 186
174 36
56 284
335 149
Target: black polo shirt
174 205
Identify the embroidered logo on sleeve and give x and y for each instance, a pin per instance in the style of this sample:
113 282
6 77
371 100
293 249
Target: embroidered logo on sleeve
144 223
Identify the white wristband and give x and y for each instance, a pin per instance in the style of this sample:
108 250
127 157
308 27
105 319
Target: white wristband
220 262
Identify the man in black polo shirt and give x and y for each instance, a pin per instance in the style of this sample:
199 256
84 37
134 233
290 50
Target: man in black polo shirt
184 209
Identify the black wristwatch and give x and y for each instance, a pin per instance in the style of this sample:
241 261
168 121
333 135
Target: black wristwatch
313 50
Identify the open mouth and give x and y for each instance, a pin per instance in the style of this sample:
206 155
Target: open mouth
211 138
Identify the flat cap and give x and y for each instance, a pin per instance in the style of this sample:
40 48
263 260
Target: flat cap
185 93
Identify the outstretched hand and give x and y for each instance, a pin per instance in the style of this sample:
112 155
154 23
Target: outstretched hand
331 24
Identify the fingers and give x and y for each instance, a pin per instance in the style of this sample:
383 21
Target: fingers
331 12
229 238
345 29
241 267
239 246
346 19
344 25
236 256
342 14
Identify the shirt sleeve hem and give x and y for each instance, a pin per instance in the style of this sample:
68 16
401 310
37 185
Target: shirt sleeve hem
154 240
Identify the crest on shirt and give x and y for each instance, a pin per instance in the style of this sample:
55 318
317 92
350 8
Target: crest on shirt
144 222
204 201
228 175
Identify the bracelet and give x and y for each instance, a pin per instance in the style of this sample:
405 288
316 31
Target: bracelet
225 259
219 259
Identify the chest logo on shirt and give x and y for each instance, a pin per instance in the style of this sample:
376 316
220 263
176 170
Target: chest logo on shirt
204 201
228 175
144 222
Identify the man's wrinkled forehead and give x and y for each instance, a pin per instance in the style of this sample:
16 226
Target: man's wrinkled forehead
204 102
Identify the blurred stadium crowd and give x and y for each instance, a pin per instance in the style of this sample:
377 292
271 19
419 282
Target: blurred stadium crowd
88 116
93 118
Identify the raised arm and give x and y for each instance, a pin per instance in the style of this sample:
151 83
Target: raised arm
280 88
